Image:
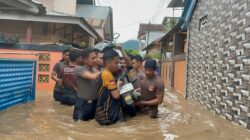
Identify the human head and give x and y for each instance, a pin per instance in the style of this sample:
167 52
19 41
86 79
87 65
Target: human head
136 62
150 67
111 60
65 55
75 56
89 57
99 57
123 63
130 56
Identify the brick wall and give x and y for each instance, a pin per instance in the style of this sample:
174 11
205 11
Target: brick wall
219 58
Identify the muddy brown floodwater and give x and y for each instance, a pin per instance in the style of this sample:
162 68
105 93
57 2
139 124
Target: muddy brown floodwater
179 119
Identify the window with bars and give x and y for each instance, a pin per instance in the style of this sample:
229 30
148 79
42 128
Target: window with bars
42 78
44 57
44 67
203 23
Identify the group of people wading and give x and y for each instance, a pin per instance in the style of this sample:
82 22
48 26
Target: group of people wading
91 81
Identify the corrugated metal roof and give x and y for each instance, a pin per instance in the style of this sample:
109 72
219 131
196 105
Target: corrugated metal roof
39 5
29 6
174 29
95 12
176 3
35 1
155 42
143 28
89 2
55 13
100 17
81 22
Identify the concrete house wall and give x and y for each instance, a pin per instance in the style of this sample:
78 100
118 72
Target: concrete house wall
218 62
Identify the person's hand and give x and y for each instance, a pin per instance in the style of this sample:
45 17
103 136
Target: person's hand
98 73
119 83
138 90
139 103
60 82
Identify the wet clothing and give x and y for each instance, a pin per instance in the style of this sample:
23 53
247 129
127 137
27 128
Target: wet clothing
149 89
68 98
58 68
86 89
84 109
57 95
69 85
87 92
108 108
150 110
127 109
135 77
124 76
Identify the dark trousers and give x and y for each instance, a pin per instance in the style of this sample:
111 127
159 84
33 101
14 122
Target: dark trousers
84 109
119 118
151 110
128 109
57 95
68 98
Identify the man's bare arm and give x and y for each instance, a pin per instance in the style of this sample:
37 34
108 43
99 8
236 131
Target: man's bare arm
90 76
124 54
54 76
157 101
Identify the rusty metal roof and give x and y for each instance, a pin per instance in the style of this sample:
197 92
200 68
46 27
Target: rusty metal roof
29 6
176 3
144 28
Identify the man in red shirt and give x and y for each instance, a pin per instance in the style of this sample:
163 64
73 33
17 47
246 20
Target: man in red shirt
69 78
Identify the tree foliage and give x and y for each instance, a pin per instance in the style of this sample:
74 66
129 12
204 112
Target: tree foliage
154 56
132 52
169 24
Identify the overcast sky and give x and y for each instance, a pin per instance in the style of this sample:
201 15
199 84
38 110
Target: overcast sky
127 14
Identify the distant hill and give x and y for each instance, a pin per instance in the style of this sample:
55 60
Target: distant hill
131 45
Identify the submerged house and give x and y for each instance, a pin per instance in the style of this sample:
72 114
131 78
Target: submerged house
40 29
173 54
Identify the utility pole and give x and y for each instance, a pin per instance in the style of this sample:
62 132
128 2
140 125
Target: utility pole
148 32
173 18
173 55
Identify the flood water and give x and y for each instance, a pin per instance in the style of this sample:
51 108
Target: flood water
179 119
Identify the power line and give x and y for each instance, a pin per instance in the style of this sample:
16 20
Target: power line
128 29
160 5
131 23
98 2
163 8
131 9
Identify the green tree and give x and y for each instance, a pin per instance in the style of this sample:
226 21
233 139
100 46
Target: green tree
154 56
169 24
132 52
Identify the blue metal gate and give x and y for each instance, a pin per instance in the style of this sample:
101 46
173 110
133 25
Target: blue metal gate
17 81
